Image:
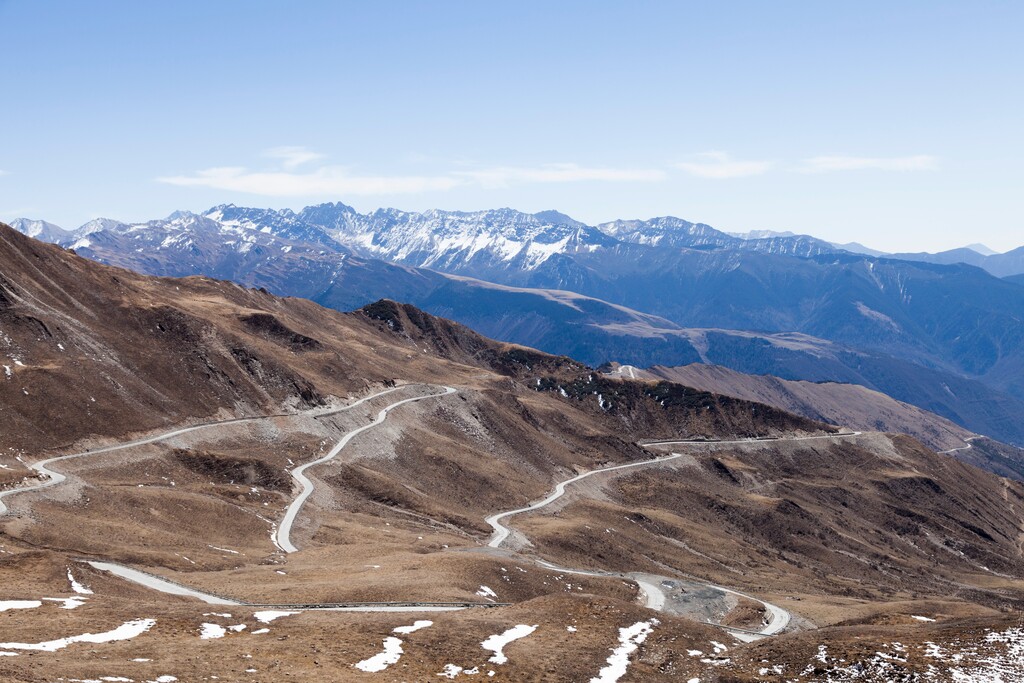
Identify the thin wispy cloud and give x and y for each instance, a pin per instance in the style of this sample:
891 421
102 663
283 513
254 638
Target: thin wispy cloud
826 164
292 157
721 166
287 181
297 174
504 176
328 180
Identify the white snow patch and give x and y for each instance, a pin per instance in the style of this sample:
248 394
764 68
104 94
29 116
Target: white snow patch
498 641
69 603
224 550
630 639
392 649
486 592
77 587
125 631
212 631
260 631
390 655
19 604
415 627
450 671
268 616
921 618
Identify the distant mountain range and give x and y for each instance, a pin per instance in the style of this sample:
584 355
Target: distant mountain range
454 239
948 338
1000 265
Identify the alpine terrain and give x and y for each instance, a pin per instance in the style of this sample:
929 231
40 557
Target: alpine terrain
946 338
202 480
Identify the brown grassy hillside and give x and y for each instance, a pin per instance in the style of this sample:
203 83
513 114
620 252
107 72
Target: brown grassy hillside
871 530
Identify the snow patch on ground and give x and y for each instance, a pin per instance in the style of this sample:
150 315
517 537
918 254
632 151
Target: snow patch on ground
630 639
390 655
223 550
77 587
69 603
450 671
498 641
997 658
19 604
125 631
392 651
267 616
415 627
486 592
212 631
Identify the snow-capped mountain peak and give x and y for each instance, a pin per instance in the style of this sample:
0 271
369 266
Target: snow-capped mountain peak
477 243
42 230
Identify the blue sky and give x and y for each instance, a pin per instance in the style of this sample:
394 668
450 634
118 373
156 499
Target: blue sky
898 125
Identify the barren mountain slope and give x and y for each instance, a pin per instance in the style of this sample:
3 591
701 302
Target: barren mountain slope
398 515
951 365
847 404
873 518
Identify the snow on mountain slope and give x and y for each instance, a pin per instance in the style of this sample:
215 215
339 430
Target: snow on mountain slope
41 230
455 241
668 231
477 243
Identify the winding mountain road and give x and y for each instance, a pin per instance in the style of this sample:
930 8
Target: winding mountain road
654 596
501 532
53 477
966 447
283 536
